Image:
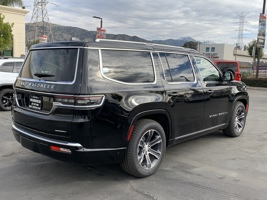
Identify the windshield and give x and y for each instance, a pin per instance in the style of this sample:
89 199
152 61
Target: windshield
56 65
227 65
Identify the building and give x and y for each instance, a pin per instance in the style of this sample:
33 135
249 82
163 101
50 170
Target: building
226 52
16 16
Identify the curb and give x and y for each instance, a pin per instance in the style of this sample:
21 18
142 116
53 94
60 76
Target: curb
256 88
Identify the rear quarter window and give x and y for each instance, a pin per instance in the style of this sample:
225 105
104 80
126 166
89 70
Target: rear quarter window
56 65
128 66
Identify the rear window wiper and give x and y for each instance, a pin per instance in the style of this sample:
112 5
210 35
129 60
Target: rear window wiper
40 75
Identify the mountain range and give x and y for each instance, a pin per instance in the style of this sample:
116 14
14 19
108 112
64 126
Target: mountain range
64 33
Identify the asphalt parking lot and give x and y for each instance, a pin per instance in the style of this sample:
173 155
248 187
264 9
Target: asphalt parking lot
211 167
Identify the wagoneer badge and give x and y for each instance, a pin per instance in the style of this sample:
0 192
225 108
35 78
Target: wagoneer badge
36 85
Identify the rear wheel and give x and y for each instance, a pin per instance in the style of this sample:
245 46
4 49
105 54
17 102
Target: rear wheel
237 121
146 149
6 99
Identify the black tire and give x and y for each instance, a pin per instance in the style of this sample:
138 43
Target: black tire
146 149
6 99
237 122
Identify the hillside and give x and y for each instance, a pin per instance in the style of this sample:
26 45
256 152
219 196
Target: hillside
175 42
64 33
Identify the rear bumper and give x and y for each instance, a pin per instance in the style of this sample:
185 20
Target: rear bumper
76 152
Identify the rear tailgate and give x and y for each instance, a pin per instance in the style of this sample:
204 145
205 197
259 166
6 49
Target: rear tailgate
46 77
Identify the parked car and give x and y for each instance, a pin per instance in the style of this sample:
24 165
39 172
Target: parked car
121 102
9 69
230 65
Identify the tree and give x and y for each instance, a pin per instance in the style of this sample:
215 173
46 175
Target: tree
29 43
11 3
245 48
5 34
256 53
191 45
252 47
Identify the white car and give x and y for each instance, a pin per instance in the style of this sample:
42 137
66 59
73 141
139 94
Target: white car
9 69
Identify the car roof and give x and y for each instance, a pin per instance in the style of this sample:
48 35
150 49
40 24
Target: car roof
107 43
226 61
3 60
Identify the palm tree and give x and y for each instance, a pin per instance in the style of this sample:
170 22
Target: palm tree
11 3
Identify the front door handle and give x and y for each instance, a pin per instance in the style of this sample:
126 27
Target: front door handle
210 91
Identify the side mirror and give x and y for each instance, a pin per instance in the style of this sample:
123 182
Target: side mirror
228 76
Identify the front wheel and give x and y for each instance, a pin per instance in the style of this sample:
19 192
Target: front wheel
237 122
146 149
6 99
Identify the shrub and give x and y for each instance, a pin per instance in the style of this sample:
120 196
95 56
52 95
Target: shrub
261 82
246 75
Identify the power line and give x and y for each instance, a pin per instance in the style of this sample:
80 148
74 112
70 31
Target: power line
240 35
40 20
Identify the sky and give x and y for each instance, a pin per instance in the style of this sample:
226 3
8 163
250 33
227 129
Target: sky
203 20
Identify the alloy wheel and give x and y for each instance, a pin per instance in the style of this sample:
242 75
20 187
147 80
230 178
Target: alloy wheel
149 149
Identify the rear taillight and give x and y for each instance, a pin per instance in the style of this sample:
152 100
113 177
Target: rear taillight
65 100
81 101
238 76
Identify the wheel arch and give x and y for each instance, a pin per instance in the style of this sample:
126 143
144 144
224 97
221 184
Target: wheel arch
2 87
243 100
159 115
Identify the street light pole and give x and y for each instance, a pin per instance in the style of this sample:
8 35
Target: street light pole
263 8
101 22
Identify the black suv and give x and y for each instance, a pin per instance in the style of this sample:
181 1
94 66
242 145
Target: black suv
121 102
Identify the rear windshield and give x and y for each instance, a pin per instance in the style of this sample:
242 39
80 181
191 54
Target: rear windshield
56 65
227 65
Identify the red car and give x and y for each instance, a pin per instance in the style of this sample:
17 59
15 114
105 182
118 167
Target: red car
229 65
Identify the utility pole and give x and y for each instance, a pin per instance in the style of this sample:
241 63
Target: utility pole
40 20
261 36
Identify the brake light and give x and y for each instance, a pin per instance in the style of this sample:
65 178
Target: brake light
65 99
88 100
238 76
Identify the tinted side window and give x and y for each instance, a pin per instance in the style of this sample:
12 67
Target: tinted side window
7 67
227 65
128 66
207 70
177 68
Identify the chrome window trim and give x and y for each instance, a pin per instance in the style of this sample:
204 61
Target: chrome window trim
197 132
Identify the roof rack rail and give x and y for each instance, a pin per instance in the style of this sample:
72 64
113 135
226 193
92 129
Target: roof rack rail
146 43
109 40
171 46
